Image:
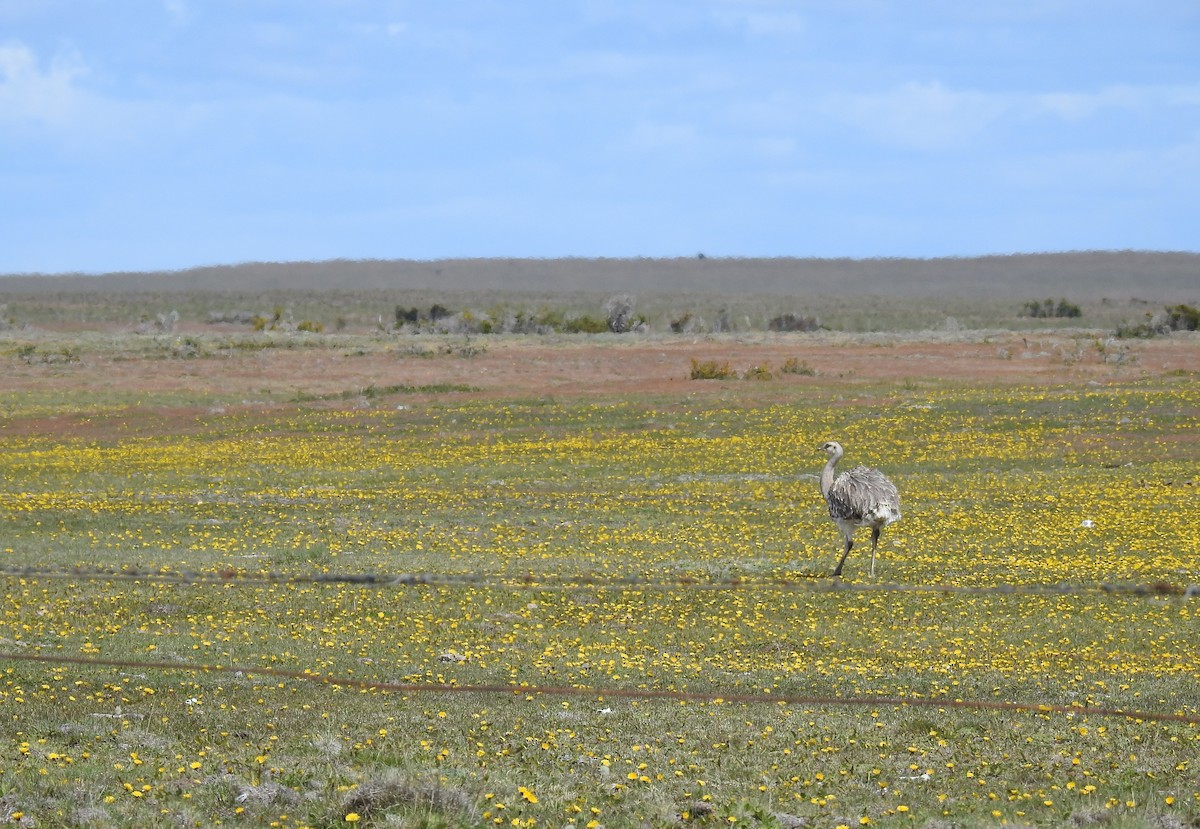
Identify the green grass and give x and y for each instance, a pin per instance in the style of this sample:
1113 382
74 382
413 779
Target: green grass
589 545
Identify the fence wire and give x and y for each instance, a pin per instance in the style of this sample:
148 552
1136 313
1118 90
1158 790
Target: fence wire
533 581
810 583
601 693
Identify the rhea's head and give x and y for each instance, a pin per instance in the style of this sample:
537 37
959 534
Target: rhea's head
832 448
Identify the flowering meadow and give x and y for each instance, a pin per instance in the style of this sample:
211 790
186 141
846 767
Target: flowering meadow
243 601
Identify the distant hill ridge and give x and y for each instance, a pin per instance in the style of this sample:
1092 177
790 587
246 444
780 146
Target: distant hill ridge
1088 275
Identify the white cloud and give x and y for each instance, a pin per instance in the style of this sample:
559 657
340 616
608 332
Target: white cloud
606 65
1077 106
764 23
178 11
926 116
40 99
774 147
932 116
1139 171
31 94
394 28
655 137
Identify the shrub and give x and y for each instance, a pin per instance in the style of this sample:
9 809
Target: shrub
619 312
586 325
509 322
1067 309
280 319
546 320
1174 318
793 322
311 326
1183 318
688 323
1142 329
793 366
711 370
759 373
31 355
233 317
463 323
158 324
187 348
1048 308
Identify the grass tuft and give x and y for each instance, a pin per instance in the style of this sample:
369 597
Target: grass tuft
424 802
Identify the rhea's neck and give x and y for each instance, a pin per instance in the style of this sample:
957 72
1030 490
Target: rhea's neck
827 473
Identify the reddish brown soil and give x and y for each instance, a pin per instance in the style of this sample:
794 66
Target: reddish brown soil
584 366
589 367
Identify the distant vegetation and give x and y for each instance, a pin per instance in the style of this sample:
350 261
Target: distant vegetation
1174 318
280 319
793 322
619 319
1048 308
721 370
566 314
685 296
712 370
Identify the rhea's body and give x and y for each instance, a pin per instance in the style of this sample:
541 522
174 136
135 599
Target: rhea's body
859 497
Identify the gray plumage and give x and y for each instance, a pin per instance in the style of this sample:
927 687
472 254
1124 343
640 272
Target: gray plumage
860 497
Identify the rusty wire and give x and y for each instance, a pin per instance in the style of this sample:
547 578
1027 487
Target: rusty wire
804 583
632 583
711 697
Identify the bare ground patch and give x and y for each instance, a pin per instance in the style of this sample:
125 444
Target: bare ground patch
345 375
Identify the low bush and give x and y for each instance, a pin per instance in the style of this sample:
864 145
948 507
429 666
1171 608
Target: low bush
1049 308
30 354
1172 318
159 323
501 321
414 315
231 317
585 324
1183 318
793 322
793 366
688 323
619 312
711 370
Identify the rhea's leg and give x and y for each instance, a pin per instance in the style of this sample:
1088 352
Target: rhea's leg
837 571
874 544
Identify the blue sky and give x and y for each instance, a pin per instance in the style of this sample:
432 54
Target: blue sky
165 134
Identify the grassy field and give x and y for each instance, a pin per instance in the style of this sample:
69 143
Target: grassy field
199 530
